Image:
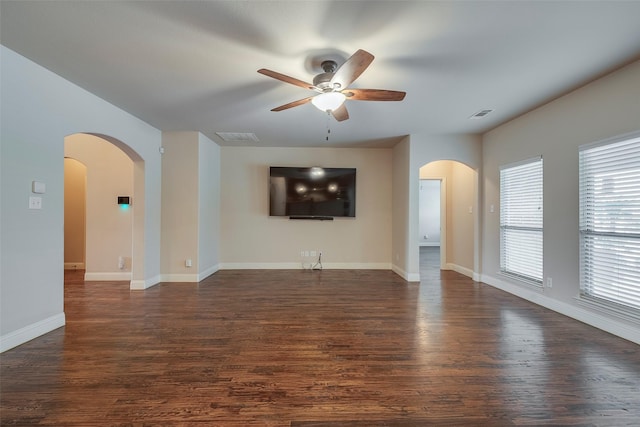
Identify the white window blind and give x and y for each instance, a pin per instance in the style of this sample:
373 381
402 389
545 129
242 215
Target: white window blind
521 220
610 221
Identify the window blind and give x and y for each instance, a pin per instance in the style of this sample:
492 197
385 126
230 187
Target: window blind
610 221
521 220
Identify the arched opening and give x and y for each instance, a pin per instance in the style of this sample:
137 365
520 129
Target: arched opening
111 231
448 193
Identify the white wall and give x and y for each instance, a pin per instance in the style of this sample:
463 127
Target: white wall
403 213
39 109
462 211
209 207
250 238
607 107
190 206
109 228
179 205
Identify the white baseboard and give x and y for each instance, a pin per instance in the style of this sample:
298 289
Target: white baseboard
261 266
581 314
462 270
123 276
298 266
179 277
139 285
208 272
415 277
189 277
74 265
357 266
432 244
29 332
108 276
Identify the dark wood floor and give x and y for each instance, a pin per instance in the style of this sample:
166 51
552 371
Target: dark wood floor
323 348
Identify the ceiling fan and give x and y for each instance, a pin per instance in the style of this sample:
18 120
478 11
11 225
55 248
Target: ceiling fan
333 84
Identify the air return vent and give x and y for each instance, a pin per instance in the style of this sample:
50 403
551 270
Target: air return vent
237 136
480 114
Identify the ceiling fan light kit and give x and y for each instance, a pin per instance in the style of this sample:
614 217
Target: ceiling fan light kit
332 86
328 101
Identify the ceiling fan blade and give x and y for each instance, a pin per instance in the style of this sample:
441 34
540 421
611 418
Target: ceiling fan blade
374 95
286 79
352 68
292 104
340 113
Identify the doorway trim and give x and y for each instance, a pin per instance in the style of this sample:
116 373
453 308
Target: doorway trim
443 223
443 217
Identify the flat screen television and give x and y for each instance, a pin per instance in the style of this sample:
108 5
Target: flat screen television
312 192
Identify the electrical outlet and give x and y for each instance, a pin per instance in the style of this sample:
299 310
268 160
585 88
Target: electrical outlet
549 282
188 263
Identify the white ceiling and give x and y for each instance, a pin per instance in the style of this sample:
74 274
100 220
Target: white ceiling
191 65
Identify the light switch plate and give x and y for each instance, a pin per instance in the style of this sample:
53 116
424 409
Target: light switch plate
35 202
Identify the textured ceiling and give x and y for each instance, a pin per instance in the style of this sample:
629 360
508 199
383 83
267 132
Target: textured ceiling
191 65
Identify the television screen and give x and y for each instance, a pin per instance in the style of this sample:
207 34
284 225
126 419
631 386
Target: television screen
312 192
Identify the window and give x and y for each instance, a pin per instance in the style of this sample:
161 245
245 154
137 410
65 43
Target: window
521 220
610 221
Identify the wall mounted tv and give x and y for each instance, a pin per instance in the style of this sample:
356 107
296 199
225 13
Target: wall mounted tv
312 192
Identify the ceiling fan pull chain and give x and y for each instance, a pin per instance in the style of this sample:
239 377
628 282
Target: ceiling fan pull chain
328 124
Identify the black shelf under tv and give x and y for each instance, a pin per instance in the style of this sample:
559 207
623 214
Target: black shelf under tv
317 218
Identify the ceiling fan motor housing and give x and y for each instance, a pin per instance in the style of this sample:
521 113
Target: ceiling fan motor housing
323 80
329 66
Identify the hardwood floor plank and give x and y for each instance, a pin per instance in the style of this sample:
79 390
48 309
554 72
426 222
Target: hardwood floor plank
325 348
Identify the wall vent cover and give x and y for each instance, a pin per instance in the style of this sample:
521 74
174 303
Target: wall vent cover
238 136
480 114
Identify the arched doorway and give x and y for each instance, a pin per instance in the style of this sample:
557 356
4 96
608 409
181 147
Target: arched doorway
457 214
111 228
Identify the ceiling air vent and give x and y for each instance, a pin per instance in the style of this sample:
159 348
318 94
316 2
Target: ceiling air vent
480 114
238 136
